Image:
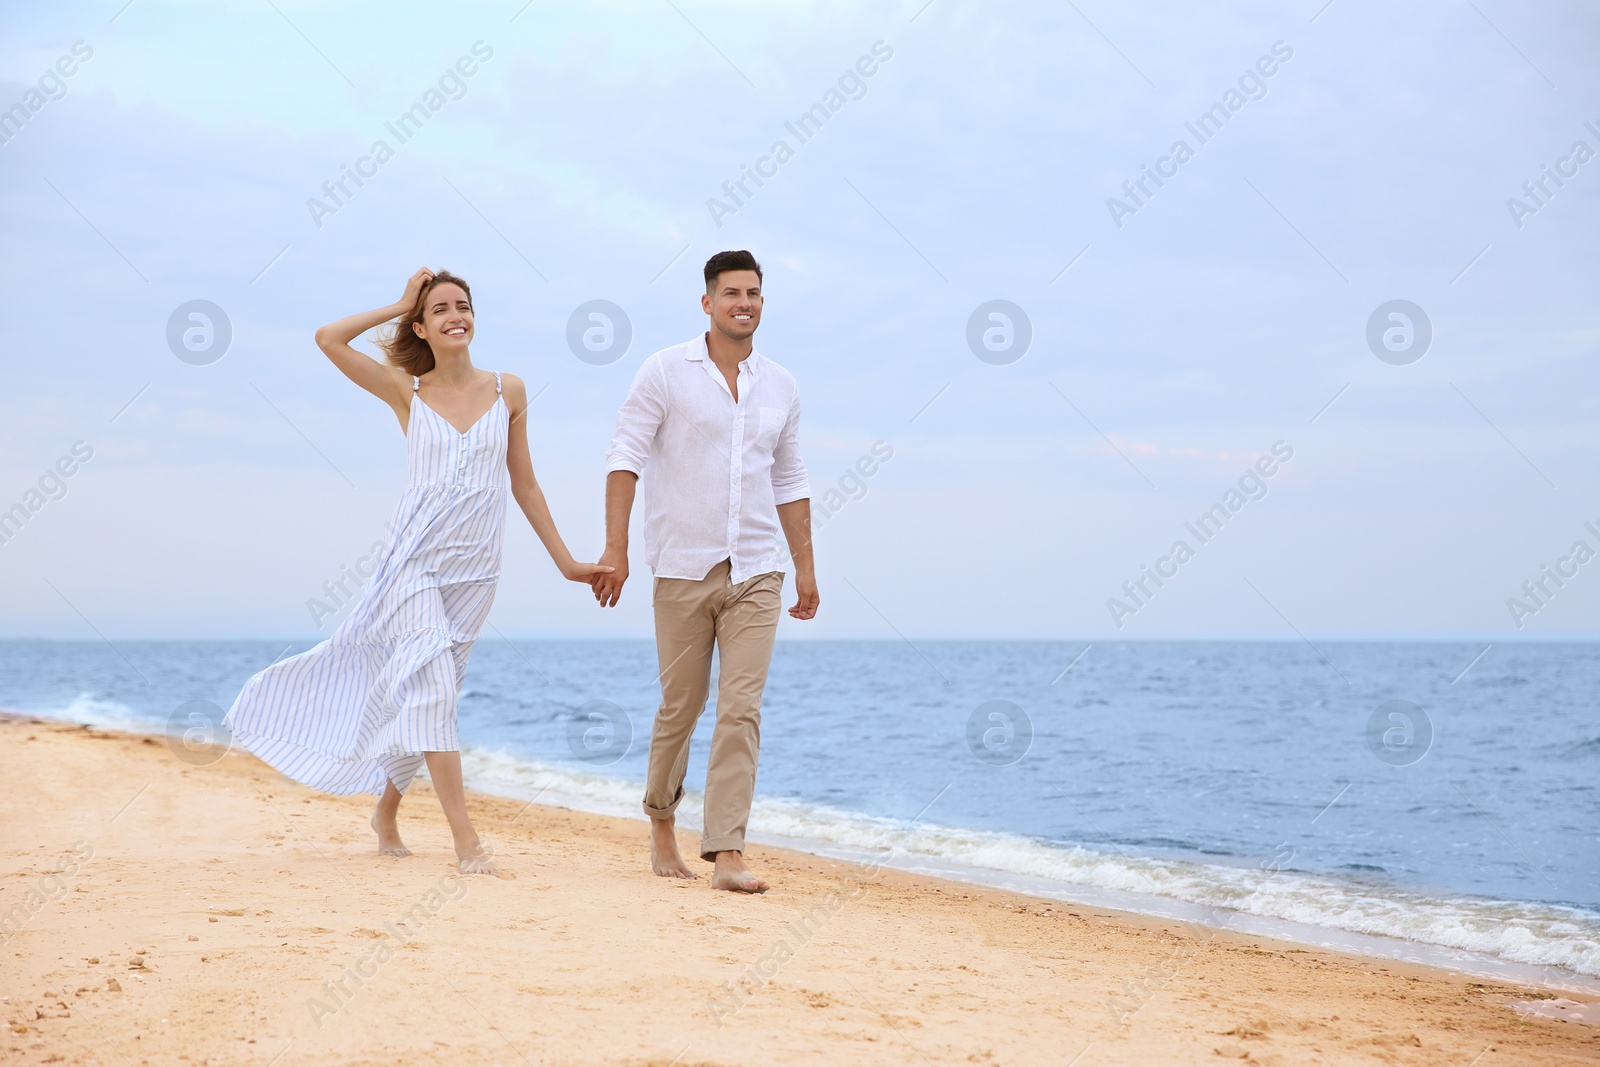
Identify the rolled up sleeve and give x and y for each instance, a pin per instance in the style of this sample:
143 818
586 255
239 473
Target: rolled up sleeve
638 420
790 482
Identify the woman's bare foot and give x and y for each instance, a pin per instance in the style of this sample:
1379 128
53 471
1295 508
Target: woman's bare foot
472 855
664 857
731 874
389 843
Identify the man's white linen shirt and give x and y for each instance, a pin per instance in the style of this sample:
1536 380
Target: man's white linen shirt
714 469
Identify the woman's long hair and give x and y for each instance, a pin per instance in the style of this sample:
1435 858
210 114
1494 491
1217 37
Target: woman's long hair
401 344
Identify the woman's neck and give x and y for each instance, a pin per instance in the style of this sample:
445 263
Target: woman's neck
453 369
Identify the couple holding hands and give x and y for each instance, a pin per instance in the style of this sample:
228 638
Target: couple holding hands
710 424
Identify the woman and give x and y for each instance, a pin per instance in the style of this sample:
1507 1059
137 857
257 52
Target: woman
361 712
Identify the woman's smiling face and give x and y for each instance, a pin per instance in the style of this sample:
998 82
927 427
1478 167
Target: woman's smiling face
446 318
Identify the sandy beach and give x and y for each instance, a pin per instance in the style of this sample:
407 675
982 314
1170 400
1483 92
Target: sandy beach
160 912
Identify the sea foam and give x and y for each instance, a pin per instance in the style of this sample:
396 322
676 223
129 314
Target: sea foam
1534 934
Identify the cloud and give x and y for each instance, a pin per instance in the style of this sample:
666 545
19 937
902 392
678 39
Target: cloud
576 167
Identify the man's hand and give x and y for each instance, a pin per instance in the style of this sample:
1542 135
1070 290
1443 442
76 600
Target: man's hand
608 585
805 587
795 517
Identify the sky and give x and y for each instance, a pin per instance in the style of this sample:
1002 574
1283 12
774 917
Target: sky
1158 346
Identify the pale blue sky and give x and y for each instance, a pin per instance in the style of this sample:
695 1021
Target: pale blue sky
977 163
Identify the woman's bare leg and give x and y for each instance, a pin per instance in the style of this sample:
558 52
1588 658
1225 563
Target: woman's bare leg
383 822
445 770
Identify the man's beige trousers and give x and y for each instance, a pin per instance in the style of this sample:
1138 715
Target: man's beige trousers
740 622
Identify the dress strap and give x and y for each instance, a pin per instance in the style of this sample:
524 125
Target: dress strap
415 381
496 383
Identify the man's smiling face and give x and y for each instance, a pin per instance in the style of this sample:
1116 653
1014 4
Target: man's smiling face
734 303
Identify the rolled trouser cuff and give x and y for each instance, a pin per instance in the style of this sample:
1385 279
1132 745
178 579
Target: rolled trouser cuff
666 812
710 846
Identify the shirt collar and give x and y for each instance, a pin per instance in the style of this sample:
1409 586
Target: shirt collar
697 352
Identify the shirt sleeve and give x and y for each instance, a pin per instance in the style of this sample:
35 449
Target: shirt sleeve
638 420
790 482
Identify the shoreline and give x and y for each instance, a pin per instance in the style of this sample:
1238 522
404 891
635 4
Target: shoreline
233 917
1465 962
1153 906
1374 947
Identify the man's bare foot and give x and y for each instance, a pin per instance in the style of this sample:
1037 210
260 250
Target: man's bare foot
389 843
733 875
480 860
665 859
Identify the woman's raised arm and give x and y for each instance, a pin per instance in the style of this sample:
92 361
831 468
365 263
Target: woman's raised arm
389 384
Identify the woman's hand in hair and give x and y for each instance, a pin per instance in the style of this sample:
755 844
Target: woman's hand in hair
413 291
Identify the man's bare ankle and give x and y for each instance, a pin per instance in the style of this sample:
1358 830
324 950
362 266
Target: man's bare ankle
665 859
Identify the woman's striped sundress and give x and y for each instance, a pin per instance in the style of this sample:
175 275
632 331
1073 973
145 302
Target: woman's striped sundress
362 707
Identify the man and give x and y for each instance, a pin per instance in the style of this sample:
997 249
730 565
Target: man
716 426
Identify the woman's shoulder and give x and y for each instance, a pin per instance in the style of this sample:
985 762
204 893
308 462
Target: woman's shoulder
514 391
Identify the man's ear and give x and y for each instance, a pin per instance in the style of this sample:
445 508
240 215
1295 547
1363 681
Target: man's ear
705 303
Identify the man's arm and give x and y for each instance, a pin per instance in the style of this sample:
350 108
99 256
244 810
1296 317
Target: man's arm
796 519
638 421
791 490
620 487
